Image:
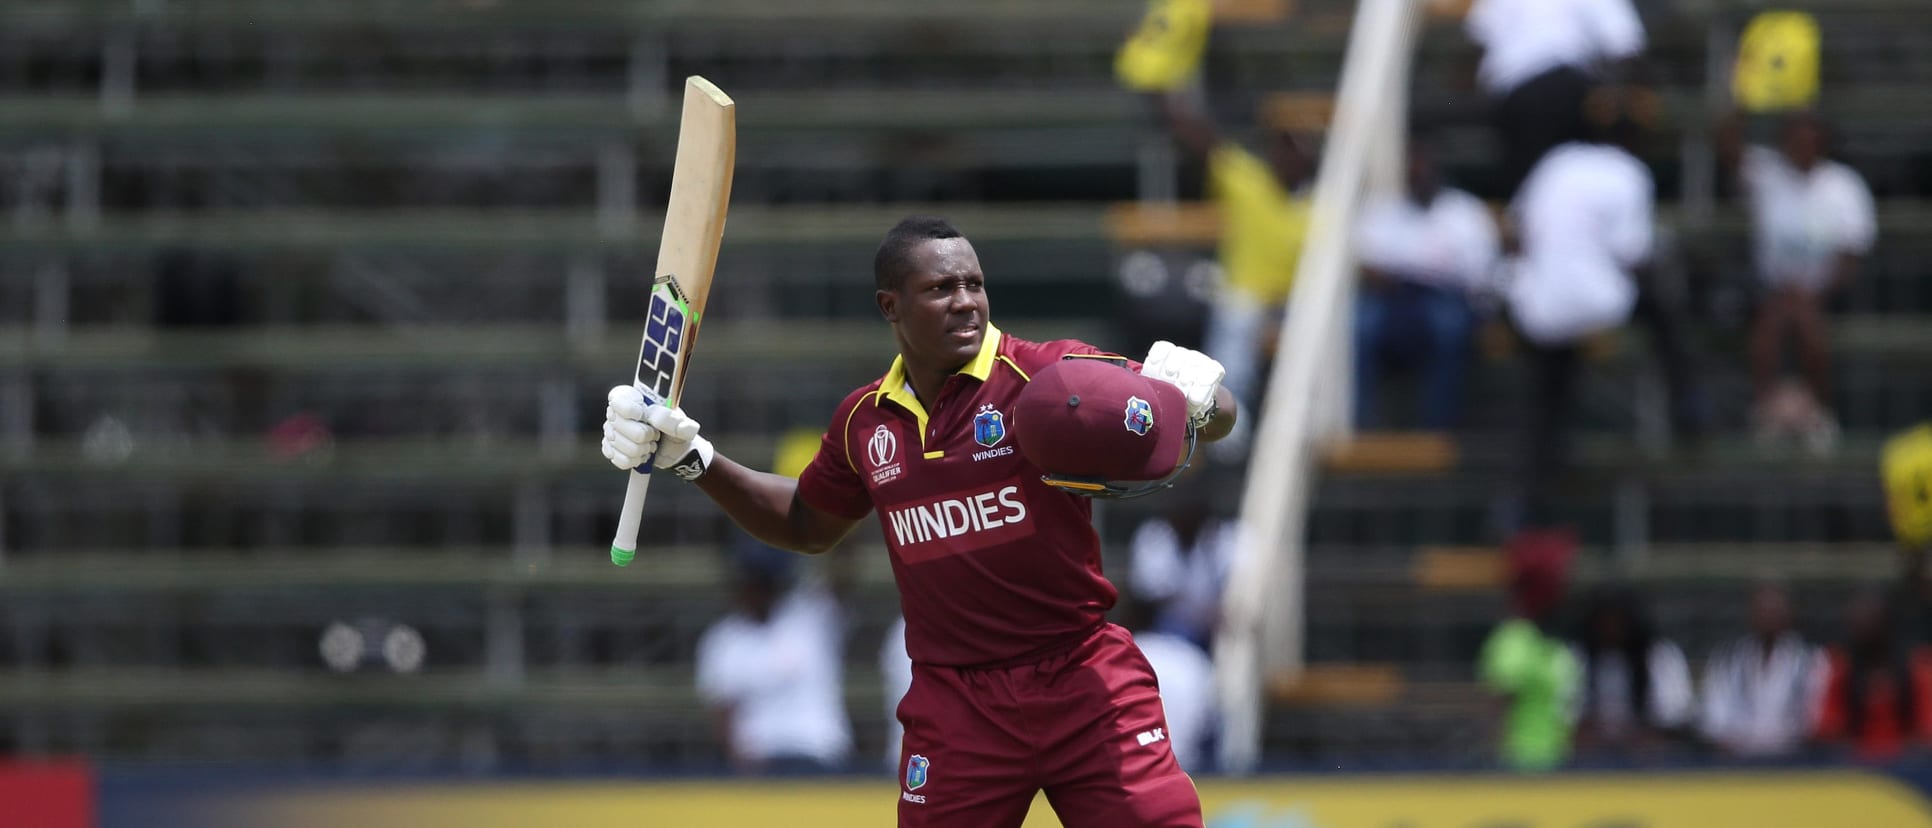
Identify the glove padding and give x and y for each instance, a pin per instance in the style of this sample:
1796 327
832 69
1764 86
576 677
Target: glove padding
1195 373
635 429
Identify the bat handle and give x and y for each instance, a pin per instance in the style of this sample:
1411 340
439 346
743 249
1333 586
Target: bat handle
624 547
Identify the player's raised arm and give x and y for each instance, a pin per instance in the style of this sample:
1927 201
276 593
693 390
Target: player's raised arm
763 504
767 505
1188 122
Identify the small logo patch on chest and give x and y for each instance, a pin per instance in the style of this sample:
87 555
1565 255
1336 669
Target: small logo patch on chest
883 452
989 426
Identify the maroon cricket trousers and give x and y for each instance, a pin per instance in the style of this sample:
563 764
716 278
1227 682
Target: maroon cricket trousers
1084 724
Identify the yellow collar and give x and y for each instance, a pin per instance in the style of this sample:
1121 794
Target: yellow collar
896 388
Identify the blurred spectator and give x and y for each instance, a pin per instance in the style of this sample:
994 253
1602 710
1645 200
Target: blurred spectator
1541 59
1636 683
1423 253
1167 294
770 671
1812 221
1584 222
1879 690
1522 661
1760 691
1905 467
1264 218
895 676
1181 561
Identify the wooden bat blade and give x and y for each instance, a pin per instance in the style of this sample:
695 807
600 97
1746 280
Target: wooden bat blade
687 253
687 256
700 190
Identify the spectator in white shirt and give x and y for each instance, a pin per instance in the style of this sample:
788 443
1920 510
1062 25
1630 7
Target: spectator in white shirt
1541 58
1812 221
1584 223
771 671
1761 690
1180 567
1423 252
1636 684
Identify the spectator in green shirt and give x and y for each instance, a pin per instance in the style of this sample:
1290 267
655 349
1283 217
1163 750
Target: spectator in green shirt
1533 670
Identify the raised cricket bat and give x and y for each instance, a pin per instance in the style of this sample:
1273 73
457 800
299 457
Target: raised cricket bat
686 255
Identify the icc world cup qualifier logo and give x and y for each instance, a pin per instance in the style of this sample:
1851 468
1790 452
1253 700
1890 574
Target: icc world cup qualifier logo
882 447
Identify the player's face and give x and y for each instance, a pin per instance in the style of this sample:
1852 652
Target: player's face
1770 611
1804 142
939 313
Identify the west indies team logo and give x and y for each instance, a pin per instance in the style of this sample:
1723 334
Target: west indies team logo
1140 416
989 426
916 772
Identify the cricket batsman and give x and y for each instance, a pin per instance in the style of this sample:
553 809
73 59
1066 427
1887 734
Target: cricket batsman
980 451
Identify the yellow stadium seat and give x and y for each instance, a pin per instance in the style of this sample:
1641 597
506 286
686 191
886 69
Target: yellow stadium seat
1458 568
1141 224
1394 452
1298 111
1339 685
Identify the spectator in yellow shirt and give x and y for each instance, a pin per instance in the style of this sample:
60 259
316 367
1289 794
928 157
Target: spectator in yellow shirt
1264 205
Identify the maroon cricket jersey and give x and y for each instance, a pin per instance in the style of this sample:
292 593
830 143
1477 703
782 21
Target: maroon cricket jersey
993 565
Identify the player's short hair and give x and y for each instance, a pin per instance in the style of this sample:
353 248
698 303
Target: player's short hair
894 260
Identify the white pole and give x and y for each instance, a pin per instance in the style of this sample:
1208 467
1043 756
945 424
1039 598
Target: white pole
1261 637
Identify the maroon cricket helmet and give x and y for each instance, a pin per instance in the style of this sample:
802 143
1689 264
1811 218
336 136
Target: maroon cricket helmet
1098 428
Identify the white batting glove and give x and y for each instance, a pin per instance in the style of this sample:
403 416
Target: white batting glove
634 429
1195 373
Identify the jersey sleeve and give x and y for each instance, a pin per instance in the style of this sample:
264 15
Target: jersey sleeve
1377 241
831 482
715 681
1476 239
1858 217
1632 228
1671 695
1031 357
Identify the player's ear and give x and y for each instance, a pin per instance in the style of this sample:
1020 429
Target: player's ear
888 304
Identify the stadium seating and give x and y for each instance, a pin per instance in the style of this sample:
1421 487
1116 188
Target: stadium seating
430 229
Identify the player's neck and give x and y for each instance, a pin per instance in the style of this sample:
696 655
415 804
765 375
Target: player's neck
926 382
